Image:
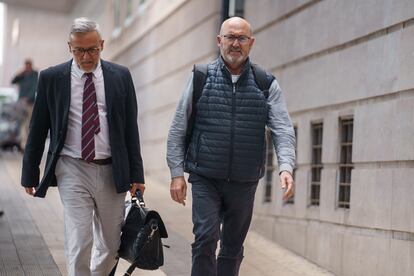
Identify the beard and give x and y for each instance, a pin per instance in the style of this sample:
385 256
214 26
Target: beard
234 61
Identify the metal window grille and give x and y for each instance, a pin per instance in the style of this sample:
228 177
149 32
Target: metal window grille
345 165
316 165
128 9
116 14
232 8
269 168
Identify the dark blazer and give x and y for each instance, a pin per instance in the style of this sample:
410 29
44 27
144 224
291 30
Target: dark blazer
50 113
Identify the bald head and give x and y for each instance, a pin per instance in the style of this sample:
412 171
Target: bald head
236 23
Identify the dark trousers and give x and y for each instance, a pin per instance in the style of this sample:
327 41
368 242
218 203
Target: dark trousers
222 211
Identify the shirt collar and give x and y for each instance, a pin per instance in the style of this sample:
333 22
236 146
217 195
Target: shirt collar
79 73
246 64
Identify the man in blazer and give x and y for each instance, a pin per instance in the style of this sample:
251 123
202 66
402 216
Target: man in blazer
89 107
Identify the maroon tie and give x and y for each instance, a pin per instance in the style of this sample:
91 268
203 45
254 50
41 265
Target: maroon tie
90 119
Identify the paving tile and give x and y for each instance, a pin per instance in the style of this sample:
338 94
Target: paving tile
23 250
32 270
50 270
13 269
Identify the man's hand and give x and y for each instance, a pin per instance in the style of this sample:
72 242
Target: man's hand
30 190
178 189
286 181
135 187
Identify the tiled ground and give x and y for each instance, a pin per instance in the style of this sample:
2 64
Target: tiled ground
31 234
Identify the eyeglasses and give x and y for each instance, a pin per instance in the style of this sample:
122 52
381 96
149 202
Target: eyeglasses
82 51
241 39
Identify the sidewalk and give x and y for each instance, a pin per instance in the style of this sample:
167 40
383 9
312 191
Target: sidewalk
31 234
23 250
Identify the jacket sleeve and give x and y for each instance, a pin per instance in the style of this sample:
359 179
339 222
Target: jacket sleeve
17 78
39 127
136 169
281 129
178 130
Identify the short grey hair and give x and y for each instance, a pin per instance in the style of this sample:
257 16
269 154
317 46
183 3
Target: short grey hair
84 25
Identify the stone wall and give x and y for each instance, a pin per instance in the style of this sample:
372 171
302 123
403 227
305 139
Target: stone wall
335 59
160 49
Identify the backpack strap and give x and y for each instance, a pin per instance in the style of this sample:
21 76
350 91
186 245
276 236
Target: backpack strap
131 269
263 80
112 273
199 80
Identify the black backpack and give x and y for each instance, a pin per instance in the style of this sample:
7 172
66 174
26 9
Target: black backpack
199 80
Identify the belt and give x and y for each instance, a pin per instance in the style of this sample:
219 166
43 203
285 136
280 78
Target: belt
106 161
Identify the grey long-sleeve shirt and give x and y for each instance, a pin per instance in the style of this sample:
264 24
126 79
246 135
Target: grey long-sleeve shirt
278 122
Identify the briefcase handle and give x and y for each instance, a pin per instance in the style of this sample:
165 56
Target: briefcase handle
138 197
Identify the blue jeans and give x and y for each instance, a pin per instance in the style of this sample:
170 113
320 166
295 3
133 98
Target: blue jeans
220 203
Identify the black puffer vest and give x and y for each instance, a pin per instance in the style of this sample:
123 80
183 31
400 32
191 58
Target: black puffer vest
228 140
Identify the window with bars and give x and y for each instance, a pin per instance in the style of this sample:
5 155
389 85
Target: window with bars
316 165
292 199
232 8
142 6
129 9
236 8
345 164
116 14
269 168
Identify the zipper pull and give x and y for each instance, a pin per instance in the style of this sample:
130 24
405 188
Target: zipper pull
234 88
154 227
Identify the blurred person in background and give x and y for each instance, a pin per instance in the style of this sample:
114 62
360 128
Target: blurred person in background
89 107
26 80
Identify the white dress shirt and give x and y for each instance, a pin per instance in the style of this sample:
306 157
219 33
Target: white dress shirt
73 142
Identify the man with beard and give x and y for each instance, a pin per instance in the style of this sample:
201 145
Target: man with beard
225 153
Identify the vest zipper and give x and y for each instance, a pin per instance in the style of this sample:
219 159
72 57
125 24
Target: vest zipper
233 114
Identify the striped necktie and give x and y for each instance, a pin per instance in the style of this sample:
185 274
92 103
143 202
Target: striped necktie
90 119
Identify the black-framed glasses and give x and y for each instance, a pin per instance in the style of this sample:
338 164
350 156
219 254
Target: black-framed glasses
240 38
81 51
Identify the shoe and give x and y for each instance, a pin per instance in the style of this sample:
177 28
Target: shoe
1 213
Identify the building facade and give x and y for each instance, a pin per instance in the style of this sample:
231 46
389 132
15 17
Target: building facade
347 71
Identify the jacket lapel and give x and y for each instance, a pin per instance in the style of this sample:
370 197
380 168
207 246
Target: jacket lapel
63 86
109 81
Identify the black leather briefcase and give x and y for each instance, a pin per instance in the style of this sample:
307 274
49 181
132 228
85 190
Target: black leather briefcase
141 243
